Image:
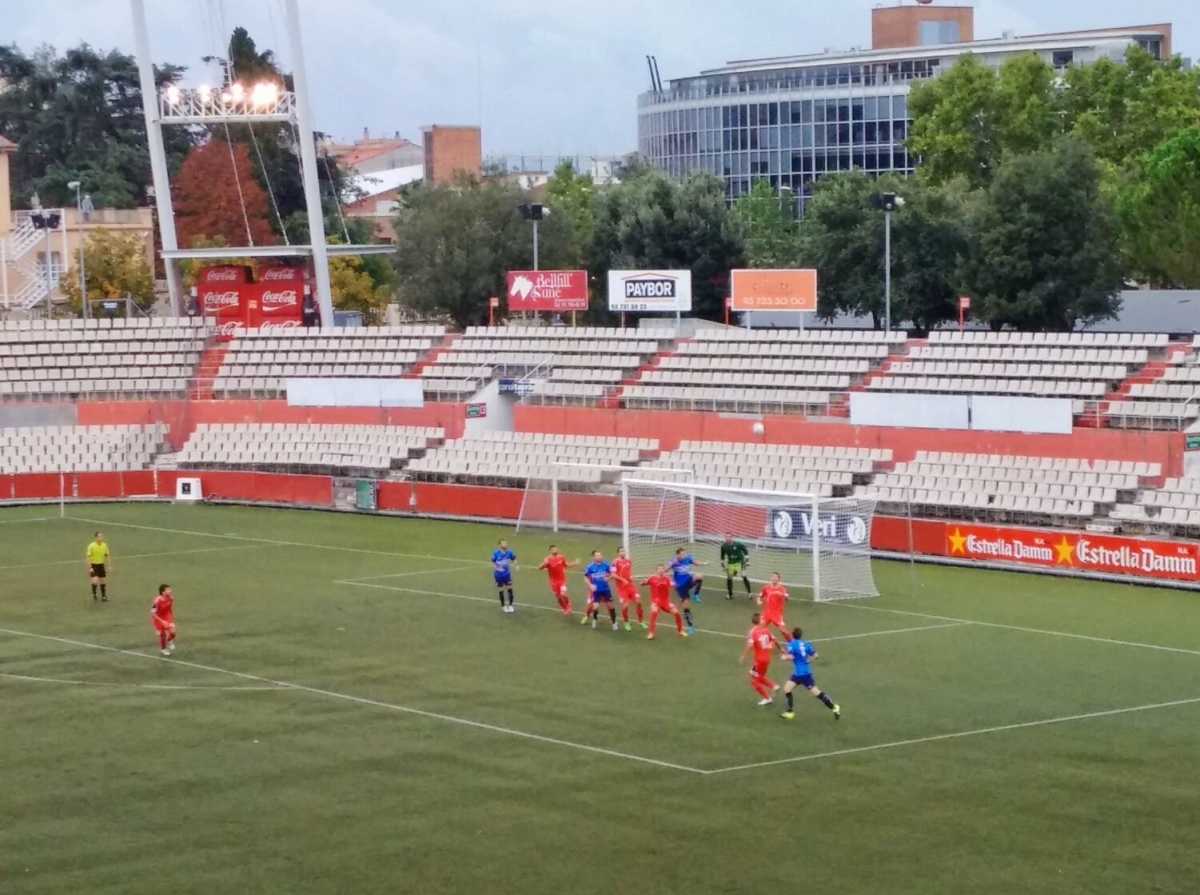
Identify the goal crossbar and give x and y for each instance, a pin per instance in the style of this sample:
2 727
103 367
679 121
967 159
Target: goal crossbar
541 503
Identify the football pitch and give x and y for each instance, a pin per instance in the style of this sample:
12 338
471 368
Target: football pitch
349 711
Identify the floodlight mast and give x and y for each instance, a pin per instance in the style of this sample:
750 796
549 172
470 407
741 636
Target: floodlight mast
233 103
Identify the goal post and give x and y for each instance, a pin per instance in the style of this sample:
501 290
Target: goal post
584 495
819 543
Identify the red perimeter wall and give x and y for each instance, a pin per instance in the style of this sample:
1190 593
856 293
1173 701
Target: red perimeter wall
671 427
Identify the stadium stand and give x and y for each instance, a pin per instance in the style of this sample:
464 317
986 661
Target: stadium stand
1169 402
1174 506
580 365
804 469
1083 366
79 448
273 446
998 487
757 370
98 358
258 362
504 456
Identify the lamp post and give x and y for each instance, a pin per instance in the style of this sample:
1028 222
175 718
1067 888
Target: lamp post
534 212
83 295
47 221
887 203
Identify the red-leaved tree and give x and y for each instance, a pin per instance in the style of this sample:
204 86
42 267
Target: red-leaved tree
217 200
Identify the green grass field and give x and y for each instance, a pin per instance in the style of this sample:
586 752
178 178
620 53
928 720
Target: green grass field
1001 733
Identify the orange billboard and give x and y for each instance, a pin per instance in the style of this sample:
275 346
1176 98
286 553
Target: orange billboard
773 290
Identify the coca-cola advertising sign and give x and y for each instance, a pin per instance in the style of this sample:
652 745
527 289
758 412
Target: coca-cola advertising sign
547 290
280 301
281 274
1080 550
223 275
229 330
278 326
220 302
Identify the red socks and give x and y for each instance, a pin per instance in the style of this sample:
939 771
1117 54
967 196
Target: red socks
162 639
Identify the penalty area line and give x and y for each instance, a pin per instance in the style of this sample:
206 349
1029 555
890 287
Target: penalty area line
362 700
1045 722
67 562
29 678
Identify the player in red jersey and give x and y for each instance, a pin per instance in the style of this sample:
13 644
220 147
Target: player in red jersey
771 598
763 643
660 600
627 591
162 616
556 566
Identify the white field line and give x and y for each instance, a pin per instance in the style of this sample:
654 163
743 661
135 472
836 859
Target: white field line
31 519
959 735
360 700
846 605
360 582
68 562
1043 631
406 574
122 686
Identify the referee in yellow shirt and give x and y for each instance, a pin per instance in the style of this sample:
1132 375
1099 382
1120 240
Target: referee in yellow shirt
98 560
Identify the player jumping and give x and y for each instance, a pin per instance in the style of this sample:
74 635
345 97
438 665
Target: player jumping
627 591
598 574
735 560
771 598
660 601
162 616
555 566
687 583
764 645
503 563
801 652
99 557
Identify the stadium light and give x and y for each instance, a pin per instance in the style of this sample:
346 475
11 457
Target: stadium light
204 92
237 91
533 212
173 95
887 203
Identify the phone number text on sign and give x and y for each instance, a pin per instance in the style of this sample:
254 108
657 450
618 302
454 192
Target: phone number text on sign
773 290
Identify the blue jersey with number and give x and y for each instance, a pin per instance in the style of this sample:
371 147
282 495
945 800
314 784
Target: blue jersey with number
502 561
681 570
800 651
598 573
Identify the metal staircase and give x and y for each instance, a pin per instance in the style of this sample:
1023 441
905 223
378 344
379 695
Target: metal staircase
24 281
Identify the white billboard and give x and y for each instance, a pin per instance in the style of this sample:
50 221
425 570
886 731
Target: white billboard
650 291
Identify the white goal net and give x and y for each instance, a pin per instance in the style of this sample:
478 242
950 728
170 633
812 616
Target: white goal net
584 495
819 543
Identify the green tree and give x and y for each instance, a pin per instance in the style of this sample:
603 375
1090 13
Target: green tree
967 121
1042 246
354 290
117 265
769 226
1160 213
456 242
1124 110
569 195
842 236
78 116
650 220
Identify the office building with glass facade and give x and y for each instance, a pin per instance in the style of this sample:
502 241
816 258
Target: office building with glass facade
791 121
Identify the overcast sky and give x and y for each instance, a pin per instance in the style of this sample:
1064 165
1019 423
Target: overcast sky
539 75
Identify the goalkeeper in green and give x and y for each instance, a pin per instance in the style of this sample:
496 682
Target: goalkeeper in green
735 559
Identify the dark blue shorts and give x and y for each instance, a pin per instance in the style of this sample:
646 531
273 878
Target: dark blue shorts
503 580
804 680
602 596
685 590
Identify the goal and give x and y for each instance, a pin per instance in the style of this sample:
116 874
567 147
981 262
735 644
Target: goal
819 543
584 495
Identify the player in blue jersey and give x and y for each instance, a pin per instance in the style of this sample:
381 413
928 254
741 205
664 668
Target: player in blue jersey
598 574
687 583
801 652
504 561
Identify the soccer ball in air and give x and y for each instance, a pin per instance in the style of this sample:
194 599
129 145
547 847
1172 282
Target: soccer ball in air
759 428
